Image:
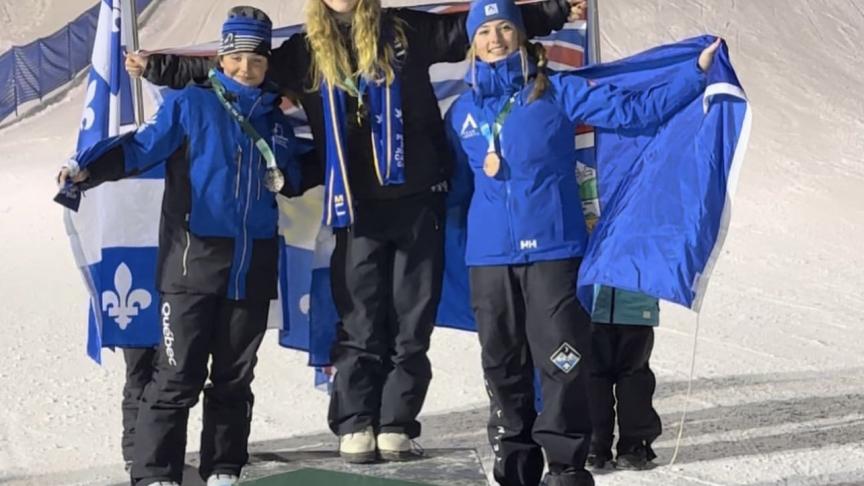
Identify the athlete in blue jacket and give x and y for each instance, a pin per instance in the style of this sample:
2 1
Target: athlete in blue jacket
218 248
526 235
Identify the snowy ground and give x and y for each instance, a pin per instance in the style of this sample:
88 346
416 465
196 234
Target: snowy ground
779 392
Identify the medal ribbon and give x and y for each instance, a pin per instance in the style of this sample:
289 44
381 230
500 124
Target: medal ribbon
491 133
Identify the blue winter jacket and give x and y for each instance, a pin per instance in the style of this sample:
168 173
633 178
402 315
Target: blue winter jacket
219 222
531 210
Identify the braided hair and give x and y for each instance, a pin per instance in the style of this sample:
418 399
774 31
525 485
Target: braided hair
537 52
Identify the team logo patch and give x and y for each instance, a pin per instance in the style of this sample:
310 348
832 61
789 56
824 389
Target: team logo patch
566 358
228 41
491 9
469 127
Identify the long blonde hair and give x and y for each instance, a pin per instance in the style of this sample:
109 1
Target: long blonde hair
527 49
331 59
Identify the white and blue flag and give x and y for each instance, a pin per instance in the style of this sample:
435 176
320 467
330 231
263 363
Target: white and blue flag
113 235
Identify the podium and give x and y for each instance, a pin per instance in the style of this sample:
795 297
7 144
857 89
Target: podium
436 467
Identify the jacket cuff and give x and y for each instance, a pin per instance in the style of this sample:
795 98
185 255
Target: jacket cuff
151 63
565 7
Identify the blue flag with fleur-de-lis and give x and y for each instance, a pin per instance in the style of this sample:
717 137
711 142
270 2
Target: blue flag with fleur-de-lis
115 248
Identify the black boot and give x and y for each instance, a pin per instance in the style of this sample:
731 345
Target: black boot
636 458
598 461
569 478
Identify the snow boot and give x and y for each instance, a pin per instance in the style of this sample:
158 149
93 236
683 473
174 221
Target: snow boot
223 480
395 446
636 458
358 447
569 478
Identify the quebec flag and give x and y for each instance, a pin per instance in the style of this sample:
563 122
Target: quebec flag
113 235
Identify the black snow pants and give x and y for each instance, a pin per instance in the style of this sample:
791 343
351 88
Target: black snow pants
622 380
139 372
386 275
528 318
196 328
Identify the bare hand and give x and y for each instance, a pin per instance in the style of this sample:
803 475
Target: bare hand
577 10
136 63
706 58
65 173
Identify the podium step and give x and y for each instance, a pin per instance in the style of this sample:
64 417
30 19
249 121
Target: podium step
437 467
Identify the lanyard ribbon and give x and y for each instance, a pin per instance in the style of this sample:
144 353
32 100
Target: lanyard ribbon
274 179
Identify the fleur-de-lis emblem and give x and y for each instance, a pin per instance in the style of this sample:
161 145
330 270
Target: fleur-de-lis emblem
89 116
123 305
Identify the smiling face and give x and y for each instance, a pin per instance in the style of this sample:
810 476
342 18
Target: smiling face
247 68
341 6
495 40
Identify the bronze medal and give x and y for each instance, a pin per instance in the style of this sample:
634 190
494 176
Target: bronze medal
491 164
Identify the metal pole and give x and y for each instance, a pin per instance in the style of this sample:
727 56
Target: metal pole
69 51
15 78
594 32
136 83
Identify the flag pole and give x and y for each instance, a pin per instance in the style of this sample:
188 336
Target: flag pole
136 82
593 32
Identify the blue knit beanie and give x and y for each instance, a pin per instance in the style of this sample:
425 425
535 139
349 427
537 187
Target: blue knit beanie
483 11
247 29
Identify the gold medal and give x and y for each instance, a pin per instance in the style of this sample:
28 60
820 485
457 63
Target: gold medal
491 164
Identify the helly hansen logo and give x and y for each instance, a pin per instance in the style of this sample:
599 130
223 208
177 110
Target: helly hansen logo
528 245
491 9
469 127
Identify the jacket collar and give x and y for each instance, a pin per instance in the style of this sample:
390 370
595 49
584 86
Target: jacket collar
251 102
503 77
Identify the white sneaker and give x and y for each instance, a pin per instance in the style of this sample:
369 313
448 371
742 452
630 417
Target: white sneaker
165 483
359 447
394 446
222 480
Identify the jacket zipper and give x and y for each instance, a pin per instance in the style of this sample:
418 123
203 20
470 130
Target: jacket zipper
186 254
507 204
238 158
245 231
258 179
509 208
246 209
510 219
184 264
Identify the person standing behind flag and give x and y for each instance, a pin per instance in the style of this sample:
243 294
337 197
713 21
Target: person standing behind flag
218 248
622 340
526 235
362 75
